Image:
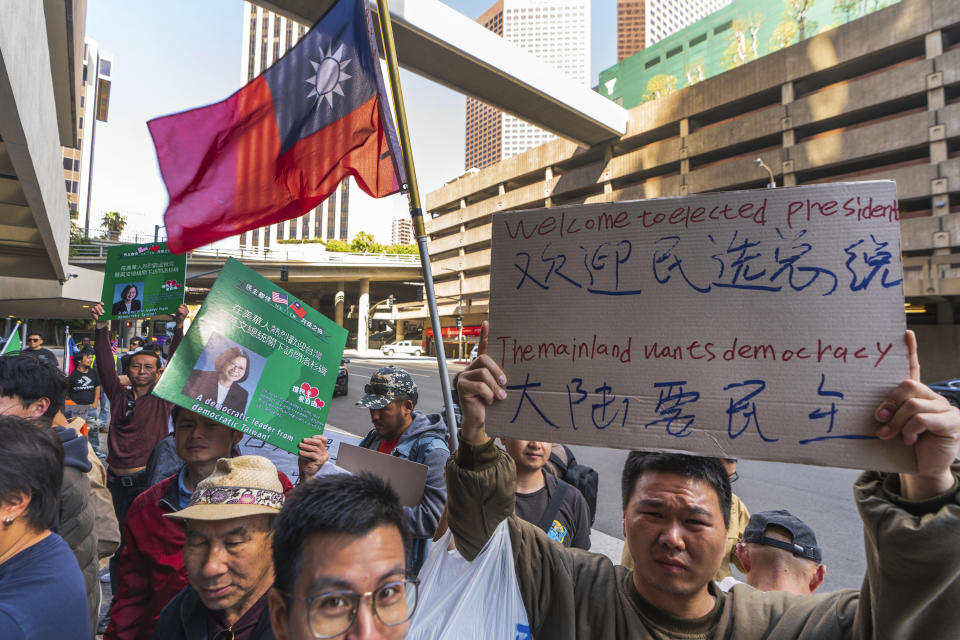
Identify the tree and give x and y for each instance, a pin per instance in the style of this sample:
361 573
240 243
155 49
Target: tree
405 249
694 72
797 11
364 242
337 246
659 86
113 224
784 35
846 10
743 46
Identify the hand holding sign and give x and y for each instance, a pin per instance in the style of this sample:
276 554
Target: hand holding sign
95 312
478 386
181 315
927 422
313 455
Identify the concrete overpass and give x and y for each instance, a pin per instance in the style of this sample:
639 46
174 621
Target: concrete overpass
445 46
341 286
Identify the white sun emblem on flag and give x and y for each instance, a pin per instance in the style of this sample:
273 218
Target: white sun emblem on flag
328 75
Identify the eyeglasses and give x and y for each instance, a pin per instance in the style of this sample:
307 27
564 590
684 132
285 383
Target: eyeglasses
333 613
128 414
734 477
33 339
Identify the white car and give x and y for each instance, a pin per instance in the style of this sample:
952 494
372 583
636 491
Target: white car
403 346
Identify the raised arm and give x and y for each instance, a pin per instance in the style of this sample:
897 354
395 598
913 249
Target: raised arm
106 369
178 318
481 483
926 421
912 520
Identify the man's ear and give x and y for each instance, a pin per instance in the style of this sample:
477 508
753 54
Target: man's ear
38 407
237 437
743 554
817 578
408 405
278 614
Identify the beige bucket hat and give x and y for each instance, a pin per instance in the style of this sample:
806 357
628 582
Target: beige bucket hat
238 487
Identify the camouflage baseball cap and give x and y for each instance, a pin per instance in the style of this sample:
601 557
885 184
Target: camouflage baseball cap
385 385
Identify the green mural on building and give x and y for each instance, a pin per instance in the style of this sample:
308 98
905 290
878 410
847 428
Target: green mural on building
733 36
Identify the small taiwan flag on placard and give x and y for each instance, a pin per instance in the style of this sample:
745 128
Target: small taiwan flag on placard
279 146
298 309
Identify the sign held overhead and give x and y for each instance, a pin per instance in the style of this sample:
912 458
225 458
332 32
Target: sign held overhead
760 324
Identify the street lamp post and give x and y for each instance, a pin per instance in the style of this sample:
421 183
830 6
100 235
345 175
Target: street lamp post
763 165
459 273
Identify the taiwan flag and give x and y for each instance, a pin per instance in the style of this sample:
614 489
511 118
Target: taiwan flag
279 146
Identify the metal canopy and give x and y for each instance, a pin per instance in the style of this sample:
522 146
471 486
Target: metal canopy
443 45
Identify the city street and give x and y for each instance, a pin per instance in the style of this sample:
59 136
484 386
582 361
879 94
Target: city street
821 496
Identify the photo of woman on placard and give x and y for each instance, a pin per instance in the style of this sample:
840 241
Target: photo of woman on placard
221 388
127 302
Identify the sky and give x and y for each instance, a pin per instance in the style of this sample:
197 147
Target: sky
178 54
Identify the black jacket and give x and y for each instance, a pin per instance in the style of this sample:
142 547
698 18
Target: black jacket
202 387
185 618
119 307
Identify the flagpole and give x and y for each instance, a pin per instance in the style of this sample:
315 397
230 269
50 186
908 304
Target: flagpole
416 211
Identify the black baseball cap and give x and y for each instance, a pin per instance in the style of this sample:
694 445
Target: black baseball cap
804 544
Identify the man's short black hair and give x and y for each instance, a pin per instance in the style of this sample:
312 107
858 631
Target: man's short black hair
354 505
709 470
145 353
403 397
31 463
30 379
34 333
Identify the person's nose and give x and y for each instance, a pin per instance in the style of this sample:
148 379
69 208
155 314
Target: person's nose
215 563
671 535
366 626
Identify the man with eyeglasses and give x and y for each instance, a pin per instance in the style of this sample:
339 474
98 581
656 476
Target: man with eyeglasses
339 562
400 431
226 550
36 349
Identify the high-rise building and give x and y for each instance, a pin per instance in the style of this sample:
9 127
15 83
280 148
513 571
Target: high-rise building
665 17
266 37
631 27
555 31
401 232
93 101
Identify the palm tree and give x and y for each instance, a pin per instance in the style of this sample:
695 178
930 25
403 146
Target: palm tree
113 223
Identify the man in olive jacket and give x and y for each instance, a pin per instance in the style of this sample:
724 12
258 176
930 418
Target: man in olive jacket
675 526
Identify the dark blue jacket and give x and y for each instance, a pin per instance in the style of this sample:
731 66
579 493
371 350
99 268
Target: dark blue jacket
424 441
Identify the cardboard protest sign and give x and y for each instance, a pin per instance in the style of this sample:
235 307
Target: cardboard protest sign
286 462
258 360
761 324
408 478
142 280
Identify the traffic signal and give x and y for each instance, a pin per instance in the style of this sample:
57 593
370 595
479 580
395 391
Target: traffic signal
284 273
459 322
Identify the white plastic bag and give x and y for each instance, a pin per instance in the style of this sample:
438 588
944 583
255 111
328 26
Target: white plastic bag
462 600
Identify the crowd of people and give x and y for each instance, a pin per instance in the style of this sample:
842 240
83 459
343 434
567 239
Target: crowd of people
206 542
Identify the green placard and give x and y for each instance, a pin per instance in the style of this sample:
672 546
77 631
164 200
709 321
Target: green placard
257 359
142 280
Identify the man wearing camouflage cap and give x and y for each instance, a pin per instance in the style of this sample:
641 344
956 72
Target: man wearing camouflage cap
399 430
